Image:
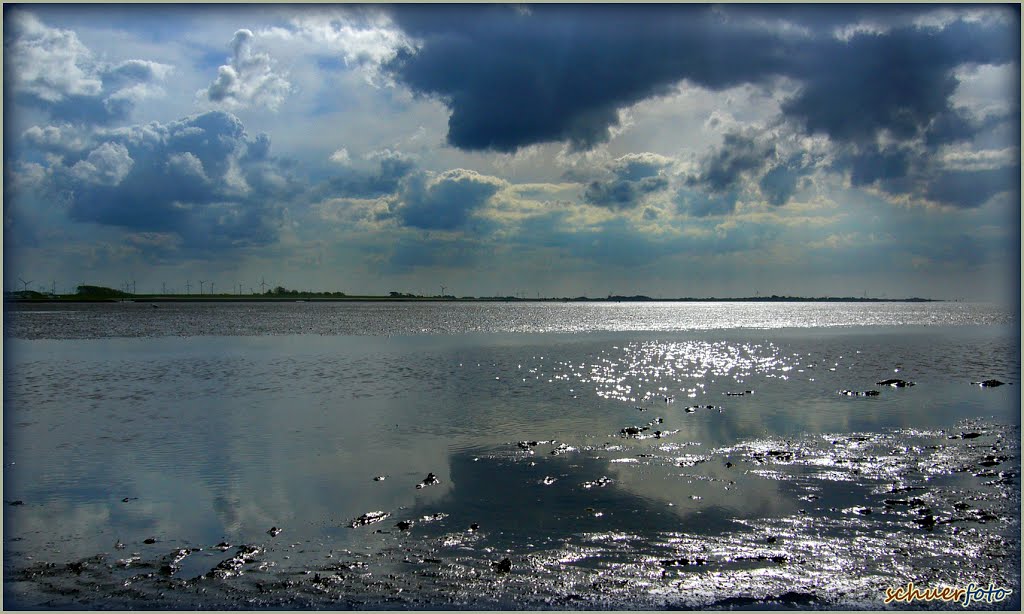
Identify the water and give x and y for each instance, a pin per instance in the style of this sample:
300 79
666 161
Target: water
605 450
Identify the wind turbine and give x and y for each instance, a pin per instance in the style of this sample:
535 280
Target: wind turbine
263 285
188 287
442 290
201 282
211 287
26 283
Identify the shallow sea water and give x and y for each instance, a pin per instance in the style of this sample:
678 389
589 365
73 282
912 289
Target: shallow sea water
595 456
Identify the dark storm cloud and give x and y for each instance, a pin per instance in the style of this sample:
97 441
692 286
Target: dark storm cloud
780 183
724 170
900 81
972 188
445 202
629 179
559 73
874 165
191 177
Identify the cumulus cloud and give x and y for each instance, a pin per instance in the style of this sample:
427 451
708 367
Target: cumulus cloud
194 178
52 69
49 63
248 79
55 138
361 37
388 169
628 181
107 165
445 201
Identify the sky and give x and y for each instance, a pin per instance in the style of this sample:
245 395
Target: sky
552 150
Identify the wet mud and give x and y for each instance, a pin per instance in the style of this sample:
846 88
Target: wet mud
869 511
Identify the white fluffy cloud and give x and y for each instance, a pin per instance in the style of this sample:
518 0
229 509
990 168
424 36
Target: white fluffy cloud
106 165
249 79
50 63
53 68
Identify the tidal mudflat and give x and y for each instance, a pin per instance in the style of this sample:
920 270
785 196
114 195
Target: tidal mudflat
509 456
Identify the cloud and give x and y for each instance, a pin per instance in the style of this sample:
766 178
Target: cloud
561 74
629 179
48 63
352 182
972 188
62 138
780 183
51 69
512 79
740 155
910 73
248 80
445 201
360 36
194 178
107 165
882 85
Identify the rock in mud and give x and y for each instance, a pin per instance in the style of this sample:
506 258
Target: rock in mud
223 546
691 409
274 531
895 383
990 383
601 482
404 525
562 449
502 566
633 431
232 566
430 480
368 518
380 478
991 460
855 393
738 394
914 502
683 562
547 481
174 560
773 456
16 503
149 540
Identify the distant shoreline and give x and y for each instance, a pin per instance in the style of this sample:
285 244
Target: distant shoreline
142 298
